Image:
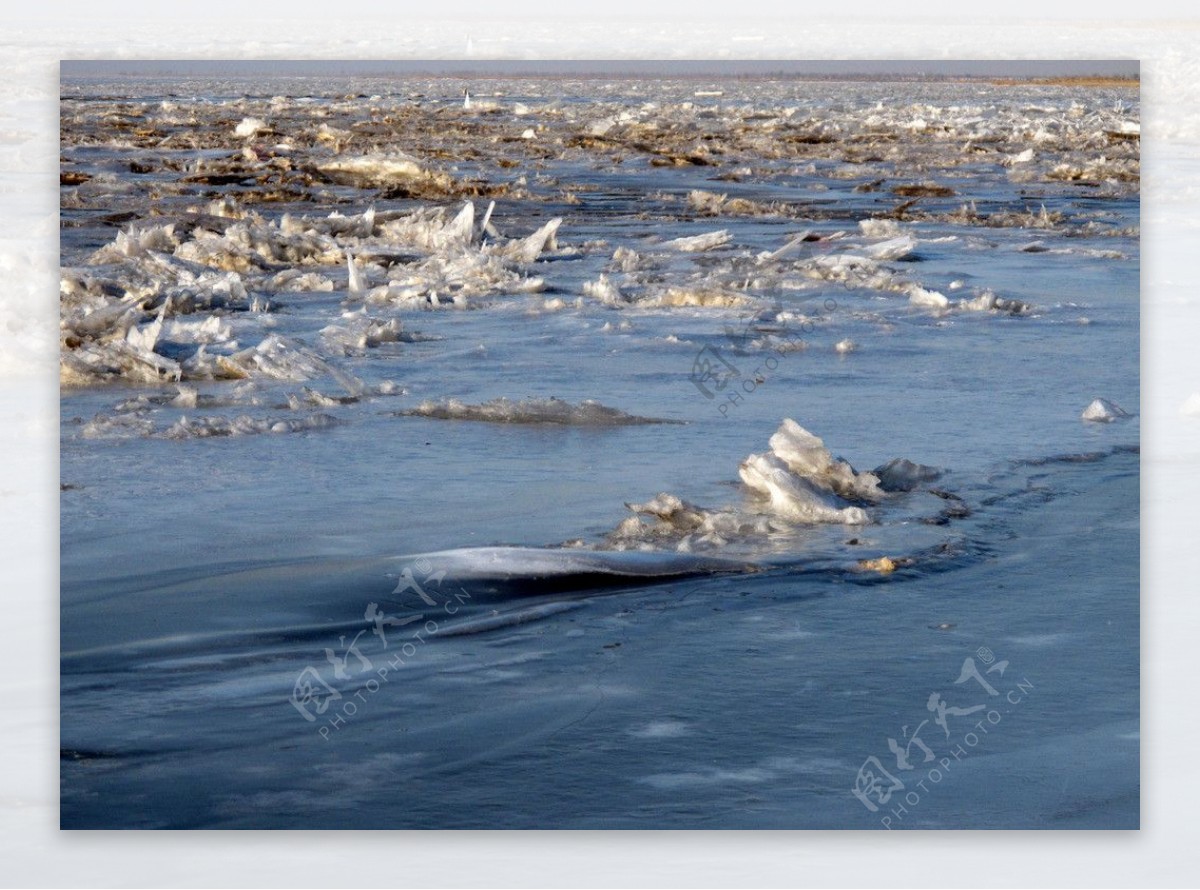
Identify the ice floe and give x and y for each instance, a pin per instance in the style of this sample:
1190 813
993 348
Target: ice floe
798 482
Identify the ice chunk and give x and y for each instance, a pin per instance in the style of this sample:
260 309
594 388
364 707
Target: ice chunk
698 296
602 126
928 299
297 281
244 425
461 229
893 249
698 243
381 171
676 523
186 397
146 338
136 242
249 127
794 497
806 455
1103 411
989 302
354 282
849 268
604 291
527 250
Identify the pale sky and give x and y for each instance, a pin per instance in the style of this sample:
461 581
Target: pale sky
328 68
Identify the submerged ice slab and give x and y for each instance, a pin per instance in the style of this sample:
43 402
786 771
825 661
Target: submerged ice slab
531 411
532 563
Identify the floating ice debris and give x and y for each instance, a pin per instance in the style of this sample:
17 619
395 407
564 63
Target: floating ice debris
884 565
249 127
84 363
360 331
686 296
892 249
461 229
354 284
712 204
383 170
682 526
625 259
118 426
244 425
698 243
928 299
989 302
806 455
1103 411
797 482
187 397
793 246
485 227
796 498
845 346
144 339
376 169
531 411
853 270
310 397
604 291
602 126
136 242
527 250
297 281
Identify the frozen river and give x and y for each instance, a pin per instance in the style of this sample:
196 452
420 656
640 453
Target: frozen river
328 345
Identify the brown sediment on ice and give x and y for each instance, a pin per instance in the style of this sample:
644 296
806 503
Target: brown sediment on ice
281 151
1094 80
